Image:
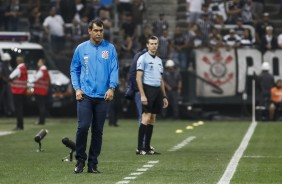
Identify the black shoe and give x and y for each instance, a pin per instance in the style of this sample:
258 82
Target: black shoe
79 167
93 170
140 152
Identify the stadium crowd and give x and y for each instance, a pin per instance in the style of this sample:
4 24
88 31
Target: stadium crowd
60 25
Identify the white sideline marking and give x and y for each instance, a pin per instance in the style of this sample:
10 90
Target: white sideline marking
140 171
182 144
2 133
129 178
231 168
260 156
136 173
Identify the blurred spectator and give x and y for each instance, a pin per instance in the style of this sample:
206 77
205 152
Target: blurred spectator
138 14
205 25
35 24
6 97
54 28
128 27
108 23
247 15
114 108
142 39
257 9
80 9
276 100
107 4
279 41
194 10
75 34
179 45
231 40
159 25
280 6
165 46
124 7
247 39
127 48
261 25
233 10
218 10
67 10
12 15
173 86
269 41
239 29
214 40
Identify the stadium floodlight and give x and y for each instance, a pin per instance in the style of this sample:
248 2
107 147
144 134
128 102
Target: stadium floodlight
39 136
69 144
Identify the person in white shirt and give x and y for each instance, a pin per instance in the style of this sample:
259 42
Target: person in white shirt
54 26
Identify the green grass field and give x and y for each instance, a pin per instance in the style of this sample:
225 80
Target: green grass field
202 160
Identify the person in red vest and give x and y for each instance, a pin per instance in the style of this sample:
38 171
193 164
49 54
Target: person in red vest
18 88
41 82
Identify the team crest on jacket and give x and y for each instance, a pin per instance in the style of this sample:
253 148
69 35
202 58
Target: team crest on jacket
105 54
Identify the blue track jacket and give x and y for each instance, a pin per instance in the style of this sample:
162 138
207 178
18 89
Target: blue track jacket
94 69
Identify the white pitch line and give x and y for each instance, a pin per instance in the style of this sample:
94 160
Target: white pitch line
182 144
2 133
231 168
134 175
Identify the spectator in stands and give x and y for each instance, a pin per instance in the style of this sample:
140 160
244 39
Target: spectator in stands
138 14
276 100
218 10
257 9
279 41
165 46
239 29
280 7
124 7
215 40
205 25
80 9
75 35
128 27
67 10
179 45
173 86
261 25
233 10
247 39
35 24
142 39
194 10
247 15
159 25
269 40
231 40
127 48
12 15
108 23
54 28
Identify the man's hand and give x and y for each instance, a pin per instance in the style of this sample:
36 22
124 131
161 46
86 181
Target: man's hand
109 95
144 100
165 103
78 95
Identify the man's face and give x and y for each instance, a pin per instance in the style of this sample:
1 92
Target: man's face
153 45
96 34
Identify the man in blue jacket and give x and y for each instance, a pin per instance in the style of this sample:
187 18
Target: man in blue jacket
94 75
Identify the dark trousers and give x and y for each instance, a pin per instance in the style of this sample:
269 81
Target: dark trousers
41 104
19 101
90 111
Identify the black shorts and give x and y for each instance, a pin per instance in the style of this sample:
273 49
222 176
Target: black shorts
155 99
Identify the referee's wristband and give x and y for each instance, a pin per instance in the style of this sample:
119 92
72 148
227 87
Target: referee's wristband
164 97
